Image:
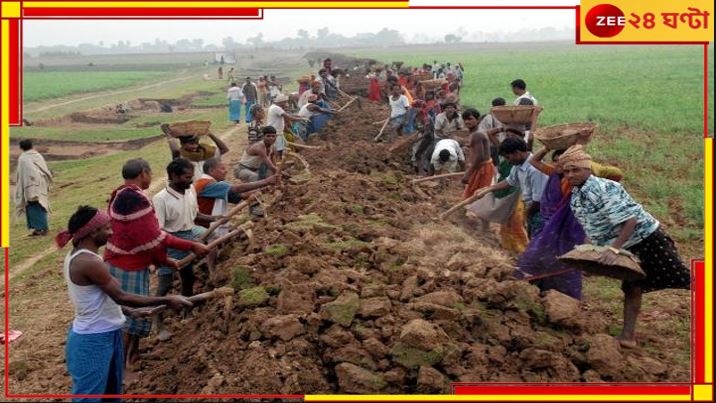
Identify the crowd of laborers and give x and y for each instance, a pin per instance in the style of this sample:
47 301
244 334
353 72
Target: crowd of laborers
547 207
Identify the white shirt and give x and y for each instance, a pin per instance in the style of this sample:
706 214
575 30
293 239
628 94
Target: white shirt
456 155
303 98
95 311
274 118
306 113
398 107
176 211
526 95
234 94
530 181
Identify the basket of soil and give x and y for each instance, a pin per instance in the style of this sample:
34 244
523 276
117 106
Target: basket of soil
585 257
424 76
398 65
561 137
515 114
303 80
188 128
433 84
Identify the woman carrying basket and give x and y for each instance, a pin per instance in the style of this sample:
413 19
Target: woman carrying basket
610 217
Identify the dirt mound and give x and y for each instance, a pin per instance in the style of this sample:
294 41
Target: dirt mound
356 289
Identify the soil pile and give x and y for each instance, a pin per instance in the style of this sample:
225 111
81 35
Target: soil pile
352 287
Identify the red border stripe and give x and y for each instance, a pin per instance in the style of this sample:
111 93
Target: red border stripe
90 12
15 99
698 329
572 390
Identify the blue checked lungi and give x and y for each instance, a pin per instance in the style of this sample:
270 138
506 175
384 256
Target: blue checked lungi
177 254
134 282
96 364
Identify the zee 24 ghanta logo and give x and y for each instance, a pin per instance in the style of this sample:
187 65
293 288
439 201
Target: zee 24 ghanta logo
607 20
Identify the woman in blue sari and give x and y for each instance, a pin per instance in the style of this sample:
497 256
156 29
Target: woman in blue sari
560 233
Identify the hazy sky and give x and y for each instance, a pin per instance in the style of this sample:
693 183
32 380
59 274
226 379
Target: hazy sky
278 24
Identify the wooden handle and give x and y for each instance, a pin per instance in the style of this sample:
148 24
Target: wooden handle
461 204
429 178
216 224
382 129
346 105
212 245
303 146
218 292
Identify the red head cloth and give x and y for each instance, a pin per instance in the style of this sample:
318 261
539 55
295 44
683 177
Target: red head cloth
100 219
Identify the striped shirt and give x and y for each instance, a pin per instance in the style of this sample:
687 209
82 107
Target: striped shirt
602 206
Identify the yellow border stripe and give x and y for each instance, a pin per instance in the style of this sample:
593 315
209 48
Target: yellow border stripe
5 125
215 4
551 398
708 261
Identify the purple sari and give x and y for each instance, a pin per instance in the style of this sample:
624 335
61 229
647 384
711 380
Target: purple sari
560 233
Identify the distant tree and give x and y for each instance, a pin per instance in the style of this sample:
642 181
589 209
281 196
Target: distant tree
257 40
450 38
303 34
229 43
322 33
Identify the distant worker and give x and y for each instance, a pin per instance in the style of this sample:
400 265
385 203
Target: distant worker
32 187
236 99
519 88
251 95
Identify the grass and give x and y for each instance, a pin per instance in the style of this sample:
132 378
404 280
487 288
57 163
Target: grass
47 85
112 133
646 99
93 180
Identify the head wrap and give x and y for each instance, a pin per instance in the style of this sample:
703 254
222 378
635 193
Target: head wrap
575 157
99 220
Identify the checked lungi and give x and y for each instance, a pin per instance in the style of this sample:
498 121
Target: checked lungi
134 282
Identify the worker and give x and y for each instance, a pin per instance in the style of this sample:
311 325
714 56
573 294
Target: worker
447 155
32 187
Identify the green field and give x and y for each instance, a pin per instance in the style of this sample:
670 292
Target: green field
38 86
648 101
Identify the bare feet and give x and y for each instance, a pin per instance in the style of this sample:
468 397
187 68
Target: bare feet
627 342
164 335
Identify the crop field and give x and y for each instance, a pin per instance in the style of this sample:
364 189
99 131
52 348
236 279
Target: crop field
46 85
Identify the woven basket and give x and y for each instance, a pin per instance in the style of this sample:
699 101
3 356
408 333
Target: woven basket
584 257
424 76
432 84
515 114
190 128
303 79
561 137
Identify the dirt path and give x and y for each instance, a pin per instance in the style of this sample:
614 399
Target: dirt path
104 94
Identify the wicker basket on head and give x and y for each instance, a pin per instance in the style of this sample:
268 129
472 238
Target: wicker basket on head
433 84
398 65
515 114
424 76
303 80
561 137
189 128
584 257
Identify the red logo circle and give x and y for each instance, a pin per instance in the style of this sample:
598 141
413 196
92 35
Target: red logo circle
605 20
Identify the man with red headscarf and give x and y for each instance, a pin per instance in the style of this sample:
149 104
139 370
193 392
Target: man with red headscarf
137 243
94 352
